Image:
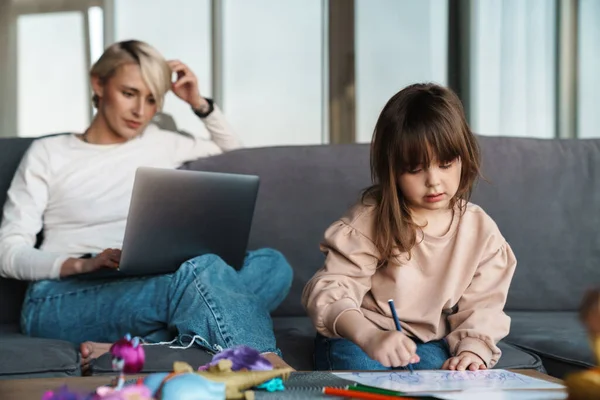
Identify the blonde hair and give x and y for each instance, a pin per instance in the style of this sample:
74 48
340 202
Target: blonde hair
153 66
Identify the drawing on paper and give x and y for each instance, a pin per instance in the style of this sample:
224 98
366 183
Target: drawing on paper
424 381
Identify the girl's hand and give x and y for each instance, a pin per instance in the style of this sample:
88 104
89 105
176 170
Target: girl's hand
391 348
186 85
463 361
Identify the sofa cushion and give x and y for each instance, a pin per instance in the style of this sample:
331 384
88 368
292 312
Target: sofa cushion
12 293
295 338
158 359
555 335
544 195
27 357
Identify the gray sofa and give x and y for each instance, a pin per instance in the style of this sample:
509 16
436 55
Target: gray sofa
542 194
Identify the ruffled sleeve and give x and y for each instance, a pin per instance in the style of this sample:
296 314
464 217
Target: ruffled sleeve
480 322
341 284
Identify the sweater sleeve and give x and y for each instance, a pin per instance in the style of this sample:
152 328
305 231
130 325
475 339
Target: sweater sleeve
222 139
344 280
22 220
480 322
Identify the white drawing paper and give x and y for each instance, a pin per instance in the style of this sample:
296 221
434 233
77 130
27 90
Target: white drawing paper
505 395
446 381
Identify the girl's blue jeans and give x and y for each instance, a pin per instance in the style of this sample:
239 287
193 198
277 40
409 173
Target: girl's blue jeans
342 354
206 301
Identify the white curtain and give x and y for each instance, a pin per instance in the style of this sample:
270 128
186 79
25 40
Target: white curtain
513 67
273 77
589 69
398 42
52 76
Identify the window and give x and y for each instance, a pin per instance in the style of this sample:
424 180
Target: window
589 69
513 67
398 42
52 78
273 70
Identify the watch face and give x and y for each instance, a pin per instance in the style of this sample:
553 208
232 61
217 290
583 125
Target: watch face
211 108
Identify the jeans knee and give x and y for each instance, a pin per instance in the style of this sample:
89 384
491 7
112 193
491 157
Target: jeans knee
272 263
273 255
200 264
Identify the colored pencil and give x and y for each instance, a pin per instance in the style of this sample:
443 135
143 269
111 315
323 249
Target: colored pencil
373 389
397 322
361 395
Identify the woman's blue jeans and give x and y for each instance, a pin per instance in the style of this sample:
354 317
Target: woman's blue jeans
206 299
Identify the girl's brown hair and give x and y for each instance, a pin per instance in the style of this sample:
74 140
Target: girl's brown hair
420 124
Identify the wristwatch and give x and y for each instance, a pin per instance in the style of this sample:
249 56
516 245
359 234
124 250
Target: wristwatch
211 108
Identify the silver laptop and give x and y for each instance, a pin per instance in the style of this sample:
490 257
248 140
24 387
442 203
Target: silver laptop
176 215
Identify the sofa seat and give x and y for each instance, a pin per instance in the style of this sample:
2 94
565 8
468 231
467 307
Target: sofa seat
158 359
26 357
558 337
294 337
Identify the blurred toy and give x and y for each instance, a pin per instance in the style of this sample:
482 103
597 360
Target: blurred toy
183 386
230 375
586 385
128 392
590 315
238 383
63 393
243 358
274 385
128 357
218 381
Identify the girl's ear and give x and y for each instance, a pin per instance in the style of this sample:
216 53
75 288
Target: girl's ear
97 86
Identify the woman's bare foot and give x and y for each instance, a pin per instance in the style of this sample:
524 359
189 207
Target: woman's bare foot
276 361
89 351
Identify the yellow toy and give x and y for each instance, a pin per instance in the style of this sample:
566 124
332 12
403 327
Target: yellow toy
586 385
237 383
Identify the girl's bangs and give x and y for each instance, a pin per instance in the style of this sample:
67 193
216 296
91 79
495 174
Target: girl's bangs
420 147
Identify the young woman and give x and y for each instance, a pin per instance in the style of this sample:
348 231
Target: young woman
77 188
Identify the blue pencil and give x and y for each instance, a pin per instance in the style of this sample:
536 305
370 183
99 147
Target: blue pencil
397 322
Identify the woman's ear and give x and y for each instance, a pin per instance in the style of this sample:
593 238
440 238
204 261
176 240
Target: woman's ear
97 86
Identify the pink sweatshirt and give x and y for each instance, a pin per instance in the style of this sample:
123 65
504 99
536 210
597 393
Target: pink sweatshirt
454 286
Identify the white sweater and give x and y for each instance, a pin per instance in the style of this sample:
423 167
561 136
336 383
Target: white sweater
79 193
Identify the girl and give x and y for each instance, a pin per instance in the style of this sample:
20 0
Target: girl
77 188
416 239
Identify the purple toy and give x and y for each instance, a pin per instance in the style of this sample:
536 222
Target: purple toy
63 393
127 357
243 358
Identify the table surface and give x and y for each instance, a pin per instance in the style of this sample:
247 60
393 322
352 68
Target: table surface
33 389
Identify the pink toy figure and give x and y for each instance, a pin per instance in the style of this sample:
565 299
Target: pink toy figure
127 358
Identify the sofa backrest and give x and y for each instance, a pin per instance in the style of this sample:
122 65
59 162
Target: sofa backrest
545 197
543 194
302 190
